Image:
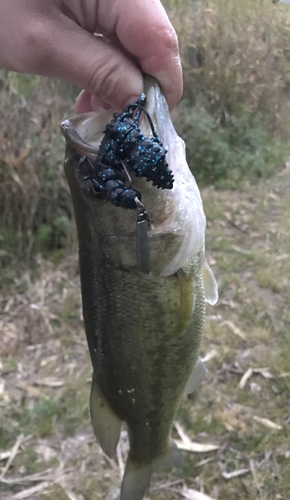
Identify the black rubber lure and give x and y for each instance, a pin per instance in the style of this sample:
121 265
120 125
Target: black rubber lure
108 181
123 144
123 149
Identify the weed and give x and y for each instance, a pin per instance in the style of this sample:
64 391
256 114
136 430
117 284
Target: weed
35 204
228 155
236 114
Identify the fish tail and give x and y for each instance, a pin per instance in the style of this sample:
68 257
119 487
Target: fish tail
136 481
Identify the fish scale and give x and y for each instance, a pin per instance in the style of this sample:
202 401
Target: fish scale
142 356
143 330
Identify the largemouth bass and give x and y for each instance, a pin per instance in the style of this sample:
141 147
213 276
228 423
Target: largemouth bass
143 329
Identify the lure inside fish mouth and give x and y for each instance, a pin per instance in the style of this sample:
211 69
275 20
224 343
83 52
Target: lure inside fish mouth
124 149
178 210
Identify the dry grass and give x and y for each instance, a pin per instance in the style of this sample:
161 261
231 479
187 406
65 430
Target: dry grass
236 66
35 201
236 56
242 407
235 113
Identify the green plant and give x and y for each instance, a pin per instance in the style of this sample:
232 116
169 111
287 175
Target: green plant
226 155
35 206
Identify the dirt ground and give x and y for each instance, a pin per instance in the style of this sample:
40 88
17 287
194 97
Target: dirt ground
235 429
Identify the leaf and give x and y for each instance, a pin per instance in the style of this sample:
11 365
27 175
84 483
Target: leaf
196 447
245 378
235 473
267 423
194 495
186 444
49 382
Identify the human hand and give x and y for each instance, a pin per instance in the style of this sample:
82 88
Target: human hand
55 38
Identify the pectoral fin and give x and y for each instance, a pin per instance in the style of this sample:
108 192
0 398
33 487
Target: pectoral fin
210 285
198 373
106 425
187 300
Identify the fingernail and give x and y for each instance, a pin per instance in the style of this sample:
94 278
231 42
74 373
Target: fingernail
97 102
132 100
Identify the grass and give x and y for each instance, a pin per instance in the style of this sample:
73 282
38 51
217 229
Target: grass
249 328
229 155
235 118
36 211
236 54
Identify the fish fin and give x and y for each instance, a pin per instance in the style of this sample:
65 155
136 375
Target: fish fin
106 425
173 458
197 375
210 285
187 300
136 481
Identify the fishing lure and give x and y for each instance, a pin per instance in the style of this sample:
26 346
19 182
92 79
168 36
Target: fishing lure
124 148
124 144
108 181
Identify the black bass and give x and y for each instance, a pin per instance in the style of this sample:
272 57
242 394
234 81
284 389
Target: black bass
143 329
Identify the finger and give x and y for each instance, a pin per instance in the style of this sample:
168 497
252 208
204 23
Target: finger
54 45
92 64
144 30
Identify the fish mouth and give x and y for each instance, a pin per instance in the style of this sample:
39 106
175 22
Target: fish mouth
178 211
84 132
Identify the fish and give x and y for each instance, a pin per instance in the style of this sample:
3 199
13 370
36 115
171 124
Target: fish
144 326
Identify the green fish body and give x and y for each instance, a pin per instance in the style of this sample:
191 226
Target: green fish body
143 330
